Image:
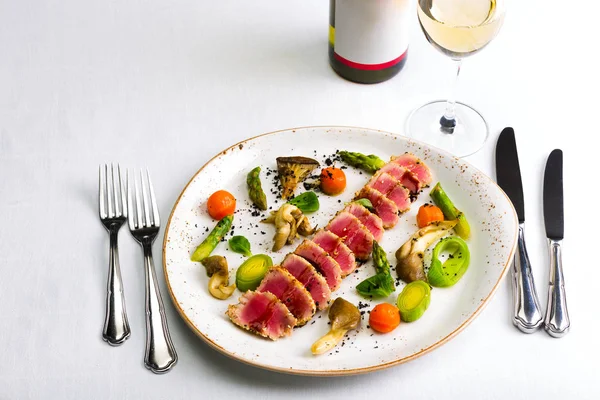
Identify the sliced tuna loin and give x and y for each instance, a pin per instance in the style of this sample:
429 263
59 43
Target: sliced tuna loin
406 177
393 190
414 165
401 197
263 314
307 275
353 233
290 292
384 207
333 245
383 182
371 221
324 263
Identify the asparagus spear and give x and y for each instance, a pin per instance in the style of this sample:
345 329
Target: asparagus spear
441 199
212 240
381 284
255 190
380 259
370 163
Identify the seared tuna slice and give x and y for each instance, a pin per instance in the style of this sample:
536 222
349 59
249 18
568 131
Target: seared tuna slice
324 263
262 313
383 182
371 221
393 190
290 292
385 208
353 233
307 275
416 166
401 197
333 245
405 176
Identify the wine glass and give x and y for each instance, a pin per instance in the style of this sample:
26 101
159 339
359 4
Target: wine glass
457 28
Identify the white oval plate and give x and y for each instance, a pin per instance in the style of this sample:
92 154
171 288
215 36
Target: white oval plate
490 213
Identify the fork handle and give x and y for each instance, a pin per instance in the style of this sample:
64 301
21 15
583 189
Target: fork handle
160 354
116 326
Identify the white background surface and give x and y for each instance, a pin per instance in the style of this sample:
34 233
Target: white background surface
167 84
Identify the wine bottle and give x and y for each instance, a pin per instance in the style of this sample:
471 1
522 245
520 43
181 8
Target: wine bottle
368 39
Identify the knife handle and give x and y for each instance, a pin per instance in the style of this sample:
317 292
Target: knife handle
557 321
527 315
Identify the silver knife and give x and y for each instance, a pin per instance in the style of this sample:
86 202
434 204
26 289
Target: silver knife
527 315
557 321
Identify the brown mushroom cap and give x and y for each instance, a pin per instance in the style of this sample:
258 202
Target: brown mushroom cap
343 315
215 264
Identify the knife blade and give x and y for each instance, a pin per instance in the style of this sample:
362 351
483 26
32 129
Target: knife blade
527 316
553 196
556 321
508 172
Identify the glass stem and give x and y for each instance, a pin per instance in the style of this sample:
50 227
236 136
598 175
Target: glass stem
448 120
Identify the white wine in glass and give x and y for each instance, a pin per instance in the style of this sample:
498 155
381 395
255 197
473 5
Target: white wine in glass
457 28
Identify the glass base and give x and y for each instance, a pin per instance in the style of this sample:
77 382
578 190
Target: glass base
467 137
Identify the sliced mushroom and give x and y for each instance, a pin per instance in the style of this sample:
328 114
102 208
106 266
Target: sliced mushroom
289 221
304 227
303 224
344 316
410 255
218 271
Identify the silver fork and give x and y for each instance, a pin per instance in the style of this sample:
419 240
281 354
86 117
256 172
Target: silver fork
113 214
144 224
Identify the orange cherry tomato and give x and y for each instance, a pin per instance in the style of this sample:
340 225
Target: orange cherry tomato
220 204
384 318
333 181
429 213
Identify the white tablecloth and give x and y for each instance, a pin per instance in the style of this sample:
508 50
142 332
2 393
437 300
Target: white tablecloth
167 84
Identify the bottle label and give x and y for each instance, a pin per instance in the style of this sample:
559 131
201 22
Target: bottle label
370 34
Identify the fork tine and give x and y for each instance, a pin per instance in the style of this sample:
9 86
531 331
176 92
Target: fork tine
131 219
155 215
138 210
101 193
122 190
145 200
109 192
116 191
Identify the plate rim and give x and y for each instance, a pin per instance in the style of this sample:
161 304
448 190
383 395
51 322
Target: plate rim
337 372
